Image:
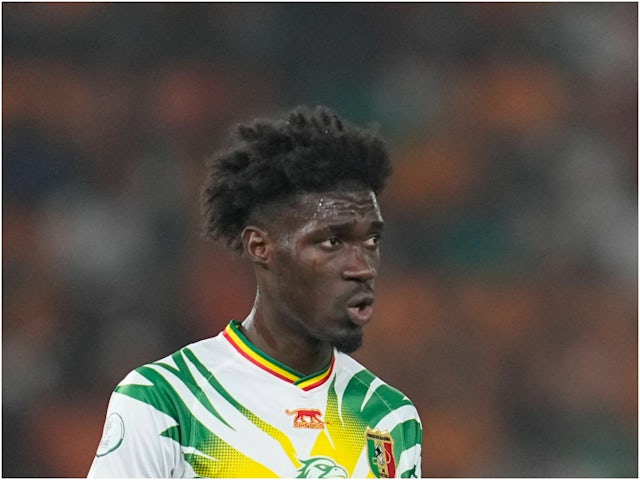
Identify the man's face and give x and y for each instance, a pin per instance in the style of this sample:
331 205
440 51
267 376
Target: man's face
325 264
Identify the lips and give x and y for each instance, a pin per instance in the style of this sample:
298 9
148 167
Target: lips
360 308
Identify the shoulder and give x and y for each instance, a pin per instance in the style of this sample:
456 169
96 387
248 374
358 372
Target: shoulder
381 406
175 376
209 352
353 377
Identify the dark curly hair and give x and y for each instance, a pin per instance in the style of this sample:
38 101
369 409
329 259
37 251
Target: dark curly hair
272 160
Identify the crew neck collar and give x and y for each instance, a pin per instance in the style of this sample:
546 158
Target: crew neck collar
248 350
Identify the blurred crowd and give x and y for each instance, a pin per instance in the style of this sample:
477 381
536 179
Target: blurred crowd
507 301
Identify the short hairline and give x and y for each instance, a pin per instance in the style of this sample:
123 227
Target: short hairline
289 201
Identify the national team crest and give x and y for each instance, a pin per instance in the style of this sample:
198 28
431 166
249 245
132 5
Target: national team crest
380 453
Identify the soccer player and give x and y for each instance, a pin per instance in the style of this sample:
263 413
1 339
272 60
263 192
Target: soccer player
276 395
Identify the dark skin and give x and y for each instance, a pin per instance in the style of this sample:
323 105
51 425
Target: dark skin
315 268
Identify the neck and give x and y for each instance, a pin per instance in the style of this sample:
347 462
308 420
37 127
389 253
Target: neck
265 328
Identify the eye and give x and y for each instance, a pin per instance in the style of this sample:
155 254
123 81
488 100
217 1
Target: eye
372 241
331 243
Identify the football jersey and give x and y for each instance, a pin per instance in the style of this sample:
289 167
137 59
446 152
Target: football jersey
222 408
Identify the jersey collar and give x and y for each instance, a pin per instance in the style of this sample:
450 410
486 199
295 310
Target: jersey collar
249 351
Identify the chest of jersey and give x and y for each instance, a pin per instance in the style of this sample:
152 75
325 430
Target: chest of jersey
211 410
252 425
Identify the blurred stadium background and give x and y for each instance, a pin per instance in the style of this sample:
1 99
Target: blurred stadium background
507 305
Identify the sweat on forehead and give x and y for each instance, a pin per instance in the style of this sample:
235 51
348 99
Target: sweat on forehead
340 203
317 205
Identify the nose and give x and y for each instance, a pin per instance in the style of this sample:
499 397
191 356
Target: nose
361 265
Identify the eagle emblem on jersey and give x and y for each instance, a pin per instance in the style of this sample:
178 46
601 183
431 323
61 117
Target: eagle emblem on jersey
380 453
307 418
321 467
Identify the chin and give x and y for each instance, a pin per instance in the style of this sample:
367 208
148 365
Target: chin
348 343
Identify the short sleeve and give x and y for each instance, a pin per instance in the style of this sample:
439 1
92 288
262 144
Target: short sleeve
410 464
132 444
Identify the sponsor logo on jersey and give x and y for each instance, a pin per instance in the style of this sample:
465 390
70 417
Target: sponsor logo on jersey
307 418
380 453
112 436
321 467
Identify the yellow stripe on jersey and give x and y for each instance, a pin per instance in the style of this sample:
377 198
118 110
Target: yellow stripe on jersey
317 379
251 354
242 344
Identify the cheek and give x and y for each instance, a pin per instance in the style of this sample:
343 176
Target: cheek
312 279
296 275
307 274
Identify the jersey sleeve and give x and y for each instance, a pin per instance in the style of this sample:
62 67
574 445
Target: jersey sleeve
410 462
132 443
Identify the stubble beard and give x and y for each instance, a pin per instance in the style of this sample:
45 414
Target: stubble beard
349 342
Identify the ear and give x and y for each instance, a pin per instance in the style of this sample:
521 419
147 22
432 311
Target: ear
256 244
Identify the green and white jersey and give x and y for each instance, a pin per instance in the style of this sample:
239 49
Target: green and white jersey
222 408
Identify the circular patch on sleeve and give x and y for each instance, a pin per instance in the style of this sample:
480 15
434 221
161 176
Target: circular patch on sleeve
112 436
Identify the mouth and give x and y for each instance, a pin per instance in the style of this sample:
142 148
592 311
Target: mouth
360 309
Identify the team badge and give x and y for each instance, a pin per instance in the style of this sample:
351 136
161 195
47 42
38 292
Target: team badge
307 418
380 453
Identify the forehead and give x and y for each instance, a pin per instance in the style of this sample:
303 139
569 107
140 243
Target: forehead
338 206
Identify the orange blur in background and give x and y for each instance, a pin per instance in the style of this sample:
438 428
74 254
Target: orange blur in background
507 303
